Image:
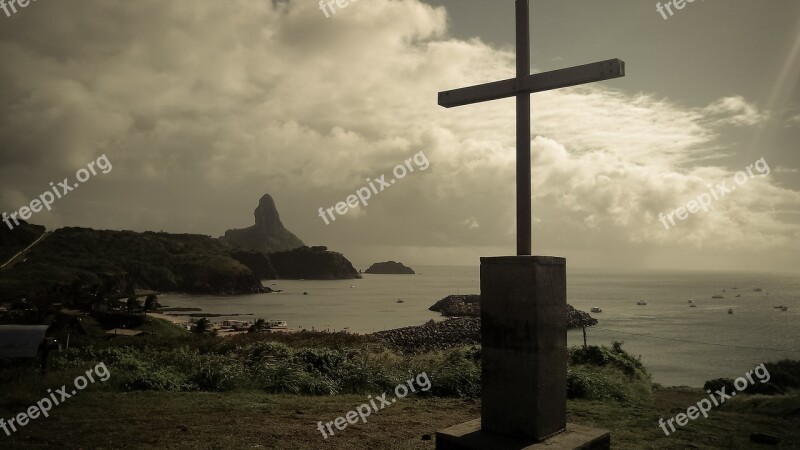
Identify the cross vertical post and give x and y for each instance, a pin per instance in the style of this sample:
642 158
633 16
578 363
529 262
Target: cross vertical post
522 86
524 298
523 131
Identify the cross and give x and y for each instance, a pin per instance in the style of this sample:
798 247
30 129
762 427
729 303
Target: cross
522 86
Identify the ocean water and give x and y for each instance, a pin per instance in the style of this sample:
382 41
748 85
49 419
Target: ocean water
679 345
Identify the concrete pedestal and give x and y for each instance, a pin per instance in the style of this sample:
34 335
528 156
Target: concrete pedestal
524 346
524 361
469 436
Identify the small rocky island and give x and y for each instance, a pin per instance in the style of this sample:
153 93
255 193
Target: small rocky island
470 306
463 327
390 268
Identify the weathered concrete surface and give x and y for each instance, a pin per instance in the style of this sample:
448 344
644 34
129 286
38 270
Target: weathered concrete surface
524 346
469 436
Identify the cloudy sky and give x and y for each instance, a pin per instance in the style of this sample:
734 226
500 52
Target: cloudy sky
203 106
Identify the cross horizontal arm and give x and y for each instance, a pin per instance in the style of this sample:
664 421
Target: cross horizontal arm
555 79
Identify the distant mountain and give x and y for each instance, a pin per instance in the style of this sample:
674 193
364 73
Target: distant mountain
268 235
390 267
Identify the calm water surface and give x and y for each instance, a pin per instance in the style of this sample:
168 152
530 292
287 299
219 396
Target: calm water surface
755 333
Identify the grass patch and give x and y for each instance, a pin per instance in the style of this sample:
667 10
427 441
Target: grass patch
269 390
254 419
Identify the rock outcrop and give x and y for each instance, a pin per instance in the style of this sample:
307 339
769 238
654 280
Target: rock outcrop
459 305
390 268
433 335
470 306
267 235
258 263
577 318
308 263
312 263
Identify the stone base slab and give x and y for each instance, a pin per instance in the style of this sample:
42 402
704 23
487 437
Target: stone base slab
469 436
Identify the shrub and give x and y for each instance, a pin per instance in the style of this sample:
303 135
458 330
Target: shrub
217 373
157 379
719 384
287 378
457 375
784 375
591 385
604 356
259 352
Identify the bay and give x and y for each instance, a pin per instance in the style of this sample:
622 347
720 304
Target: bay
679 345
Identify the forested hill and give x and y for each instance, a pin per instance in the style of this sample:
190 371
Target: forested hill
18 238
82 262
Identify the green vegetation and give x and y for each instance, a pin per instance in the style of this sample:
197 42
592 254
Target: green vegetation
75 265
268 390
606 373
15 240
253 419
79 266
216 364
311 363
784 377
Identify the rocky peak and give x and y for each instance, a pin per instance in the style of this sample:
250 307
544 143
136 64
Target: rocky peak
267 217
268 234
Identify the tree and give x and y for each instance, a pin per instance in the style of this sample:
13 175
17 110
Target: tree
259 325
151 302
134 304
202 326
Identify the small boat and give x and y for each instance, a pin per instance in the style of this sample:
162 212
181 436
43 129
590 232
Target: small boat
235 325
277 325
596 309
757 290
782 308
717 296
692 305
305 293
738 295
730 311
691 300
399 301
352 286
642 303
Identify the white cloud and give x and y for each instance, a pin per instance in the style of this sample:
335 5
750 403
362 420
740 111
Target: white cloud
734 111
204 107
